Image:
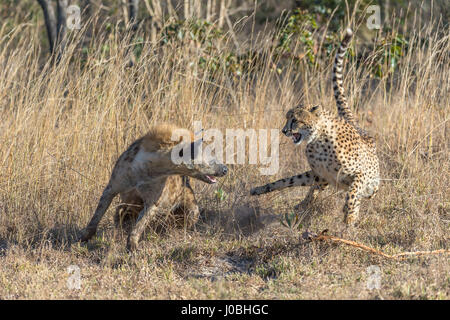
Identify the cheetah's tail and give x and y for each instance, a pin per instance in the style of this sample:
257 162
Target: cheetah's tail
339 93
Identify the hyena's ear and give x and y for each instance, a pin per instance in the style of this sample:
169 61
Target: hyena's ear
196 148
192 151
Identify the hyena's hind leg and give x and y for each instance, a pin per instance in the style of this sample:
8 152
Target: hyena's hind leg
187 212
103 205
128 211
305 179
184 213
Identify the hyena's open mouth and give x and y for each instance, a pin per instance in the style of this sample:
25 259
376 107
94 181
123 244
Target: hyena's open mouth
205 178
211 179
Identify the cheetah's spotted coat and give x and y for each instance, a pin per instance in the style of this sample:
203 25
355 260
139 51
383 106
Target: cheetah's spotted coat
340 153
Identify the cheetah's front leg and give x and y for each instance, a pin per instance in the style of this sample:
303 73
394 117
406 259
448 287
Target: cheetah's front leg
312 195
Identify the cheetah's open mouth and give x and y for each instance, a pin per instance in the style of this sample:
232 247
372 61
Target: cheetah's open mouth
296 137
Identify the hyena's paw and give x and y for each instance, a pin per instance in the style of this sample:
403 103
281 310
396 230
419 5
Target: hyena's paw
86 234
260 190
132 243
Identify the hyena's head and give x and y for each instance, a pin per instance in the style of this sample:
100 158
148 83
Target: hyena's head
169 149
189 161
302 123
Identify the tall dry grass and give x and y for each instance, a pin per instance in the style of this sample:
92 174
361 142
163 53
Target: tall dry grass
63 127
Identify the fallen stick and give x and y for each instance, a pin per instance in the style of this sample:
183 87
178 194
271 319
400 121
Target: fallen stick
399 256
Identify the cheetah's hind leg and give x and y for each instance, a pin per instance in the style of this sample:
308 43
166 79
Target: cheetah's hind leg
303 207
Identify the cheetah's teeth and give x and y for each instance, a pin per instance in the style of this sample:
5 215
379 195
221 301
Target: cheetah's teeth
296 137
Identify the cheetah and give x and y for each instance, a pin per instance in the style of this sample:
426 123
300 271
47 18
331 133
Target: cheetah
147 177
339 153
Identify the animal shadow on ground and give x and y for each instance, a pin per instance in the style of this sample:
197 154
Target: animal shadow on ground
241 221
3 247
58 237
251 223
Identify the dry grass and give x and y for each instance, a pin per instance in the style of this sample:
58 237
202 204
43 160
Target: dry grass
62 128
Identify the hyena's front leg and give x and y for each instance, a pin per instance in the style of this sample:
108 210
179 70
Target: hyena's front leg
105 201
304 179
145 216
151 199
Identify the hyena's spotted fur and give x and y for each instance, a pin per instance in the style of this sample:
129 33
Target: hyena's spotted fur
148 180
339 152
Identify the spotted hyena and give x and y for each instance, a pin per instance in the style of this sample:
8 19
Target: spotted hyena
146 177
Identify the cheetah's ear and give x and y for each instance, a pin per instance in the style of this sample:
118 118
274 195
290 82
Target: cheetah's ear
316 109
